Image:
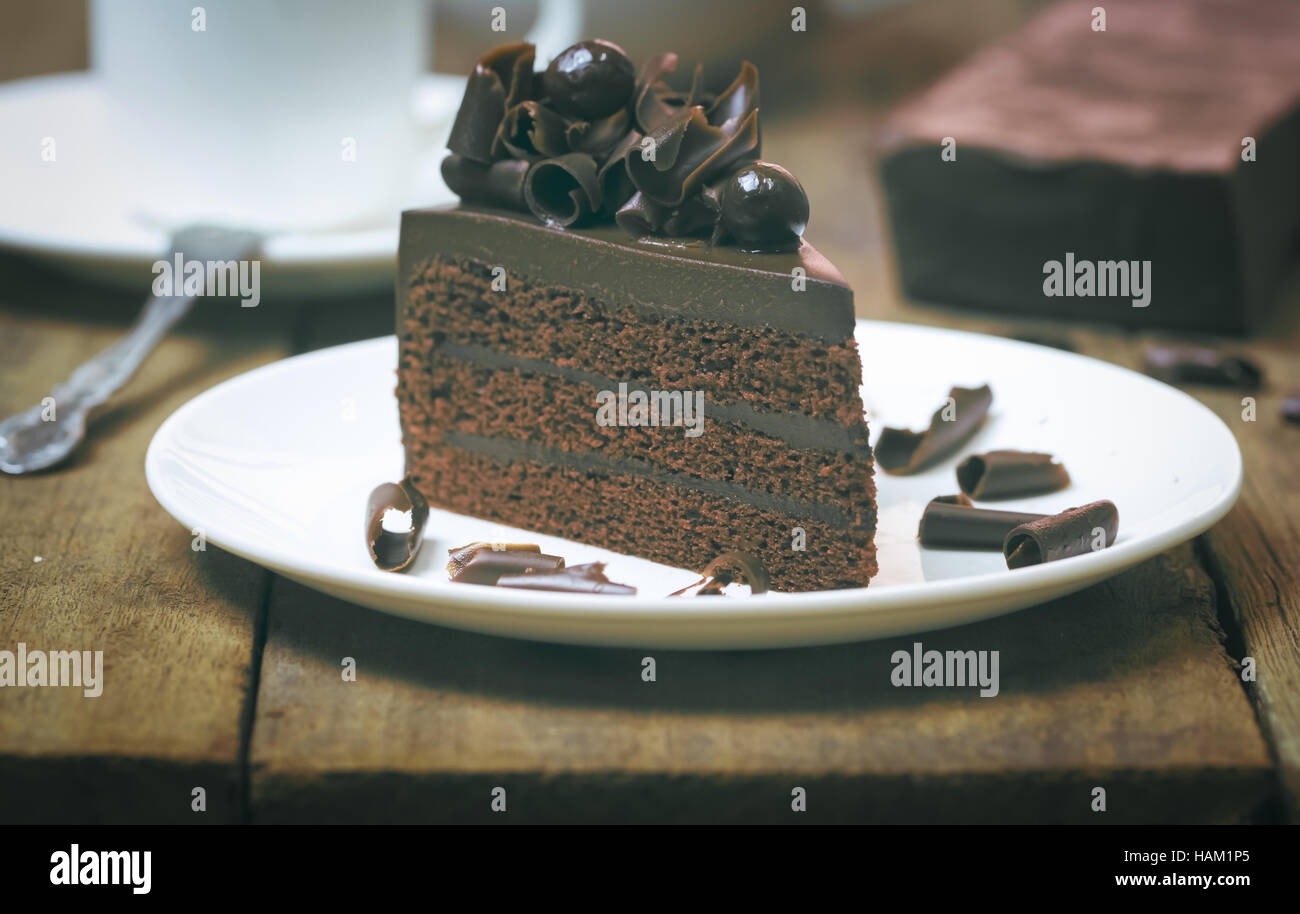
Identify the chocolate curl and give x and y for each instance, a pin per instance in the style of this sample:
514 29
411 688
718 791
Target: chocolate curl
501 79
698 215
563 191
657 103
1072 532
530 131
616 187
499 184
1008 474
697 138
589 578
951 521
641 216
690 151
395 550
735 567
486 563
737 100
1197 365
598 138
901 451
710 198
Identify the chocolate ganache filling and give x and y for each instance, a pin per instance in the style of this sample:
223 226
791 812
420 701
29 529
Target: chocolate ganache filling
588 141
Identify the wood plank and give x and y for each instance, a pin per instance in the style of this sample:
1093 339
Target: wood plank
1125 685
118 575
1254 553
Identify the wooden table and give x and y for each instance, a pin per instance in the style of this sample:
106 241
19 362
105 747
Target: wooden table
223 676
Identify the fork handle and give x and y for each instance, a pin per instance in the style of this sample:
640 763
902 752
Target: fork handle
96 379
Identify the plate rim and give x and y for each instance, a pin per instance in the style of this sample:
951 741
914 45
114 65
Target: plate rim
342 251
1058 577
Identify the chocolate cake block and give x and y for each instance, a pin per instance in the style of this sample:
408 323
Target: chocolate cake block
532 333
1123 145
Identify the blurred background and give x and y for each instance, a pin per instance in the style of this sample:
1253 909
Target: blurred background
830 97
878 46
823 94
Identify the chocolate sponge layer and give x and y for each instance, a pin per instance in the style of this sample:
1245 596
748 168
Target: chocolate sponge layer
558 413
637 516
772 369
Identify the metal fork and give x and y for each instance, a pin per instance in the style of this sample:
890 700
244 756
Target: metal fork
30 441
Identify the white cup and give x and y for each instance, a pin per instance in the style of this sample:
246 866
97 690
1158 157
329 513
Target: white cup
275 114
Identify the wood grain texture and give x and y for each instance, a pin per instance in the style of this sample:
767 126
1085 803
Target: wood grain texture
1254 552
1125 685
118 575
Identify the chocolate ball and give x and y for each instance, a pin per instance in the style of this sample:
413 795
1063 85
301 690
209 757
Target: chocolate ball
590 80
764 207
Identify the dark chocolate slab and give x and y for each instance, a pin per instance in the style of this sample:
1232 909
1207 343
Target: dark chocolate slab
1116 145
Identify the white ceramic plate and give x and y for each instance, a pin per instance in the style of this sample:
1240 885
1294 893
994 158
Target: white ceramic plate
77 214
275 465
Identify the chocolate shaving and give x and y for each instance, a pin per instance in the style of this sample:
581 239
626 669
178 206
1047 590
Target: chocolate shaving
1072 532
616 186
486 563
498 184
1203 366
951 521
589 578
501 79
697 138
699 215
520 142
598 137
1291 407
564 190
641 216
395 550
735 567
901 451
657 103
1007 474
689 152
530 131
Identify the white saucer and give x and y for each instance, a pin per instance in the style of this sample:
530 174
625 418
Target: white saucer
74 213
275 465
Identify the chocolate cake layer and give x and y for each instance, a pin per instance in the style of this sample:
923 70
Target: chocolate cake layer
634 515
556 324
558 413
797 429
656 277
510 450
1124 145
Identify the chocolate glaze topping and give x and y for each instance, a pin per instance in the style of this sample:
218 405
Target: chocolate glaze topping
588 142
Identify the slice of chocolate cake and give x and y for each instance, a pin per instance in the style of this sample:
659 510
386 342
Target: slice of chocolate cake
620 336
